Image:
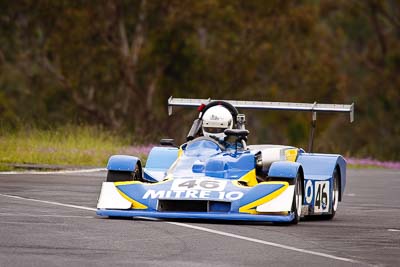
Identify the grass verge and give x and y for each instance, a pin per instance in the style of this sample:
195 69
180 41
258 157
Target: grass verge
90 146
67 145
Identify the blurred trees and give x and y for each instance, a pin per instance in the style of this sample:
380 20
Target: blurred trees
115 63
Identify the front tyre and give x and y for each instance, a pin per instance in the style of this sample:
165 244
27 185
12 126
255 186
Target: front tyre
297 199
125 176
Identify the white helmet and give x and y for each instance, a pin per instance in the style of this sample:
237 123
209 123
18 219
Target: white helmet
215 120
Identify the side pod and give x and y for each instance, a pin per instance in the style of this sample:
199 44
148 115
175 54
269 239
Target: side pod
282 171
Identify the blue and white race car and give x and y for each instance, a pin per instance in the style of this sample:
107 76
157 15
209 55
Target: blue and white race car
217 175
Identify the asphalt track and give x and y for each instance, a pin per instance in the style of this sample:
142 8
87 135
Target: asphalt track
49 220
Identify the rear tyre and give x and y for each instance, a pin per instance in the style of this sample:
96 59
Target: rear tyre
335 195
125 176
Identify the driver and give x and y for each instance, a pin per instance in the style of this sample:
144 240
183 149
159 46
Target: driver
216 120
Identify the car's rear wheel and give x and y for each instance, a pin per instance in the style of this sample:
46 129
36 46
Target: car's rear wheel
335 195
122 176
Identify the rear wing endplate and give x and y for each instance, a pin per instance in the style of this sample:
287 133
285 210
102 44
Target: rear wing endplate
310 107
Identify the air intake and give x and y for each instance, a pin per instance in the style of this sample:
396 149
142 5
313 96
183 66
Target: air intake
193 206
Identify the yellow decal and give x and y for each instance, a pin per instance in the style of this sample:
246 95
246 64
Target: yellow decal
172 167
127 183
135 204
249 178
251 207
180 152
291 154
166 179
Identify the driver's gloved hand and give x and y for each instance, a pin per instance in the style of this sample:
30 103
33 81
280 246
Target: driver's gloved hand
220 141
229 139
215 138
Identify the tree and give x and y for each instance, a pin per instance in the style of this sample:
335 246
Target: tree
116 63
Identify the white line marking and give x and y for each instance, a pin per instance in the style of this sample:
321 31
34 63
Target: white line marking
263 242
56 172
394 230
43 215
207 230
50 202
31 223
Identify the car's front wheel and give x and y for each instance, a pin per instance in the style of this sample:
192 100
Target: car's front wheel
297 199
122 176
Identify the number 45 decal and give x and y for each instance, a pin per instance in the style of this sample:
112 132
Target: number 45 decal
321 202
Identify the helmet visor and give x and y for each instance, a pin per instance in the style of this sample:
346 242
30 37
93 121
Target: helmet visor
214 130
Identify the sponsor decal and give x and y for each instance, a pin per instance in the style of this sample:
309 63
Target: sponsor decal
321 201
214 117
309 191
192 194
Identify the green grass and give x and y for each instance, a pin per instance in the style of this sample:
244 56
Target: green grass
76 146
68 145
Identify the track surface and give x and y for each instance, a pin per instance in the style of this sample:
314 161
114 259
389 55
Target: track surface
365 231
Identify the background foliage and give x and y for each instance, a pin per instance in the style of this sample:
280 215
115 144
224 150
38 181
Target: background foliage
115 63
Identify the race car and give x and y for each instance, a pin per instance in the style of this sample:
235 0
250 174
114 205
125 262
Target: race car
216 175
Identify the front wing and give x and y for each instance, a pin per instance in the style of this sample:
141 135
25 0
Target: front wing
197 215
218 200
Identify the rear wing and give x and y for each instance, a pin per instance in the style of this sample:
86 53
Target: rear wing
310 107
314 108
